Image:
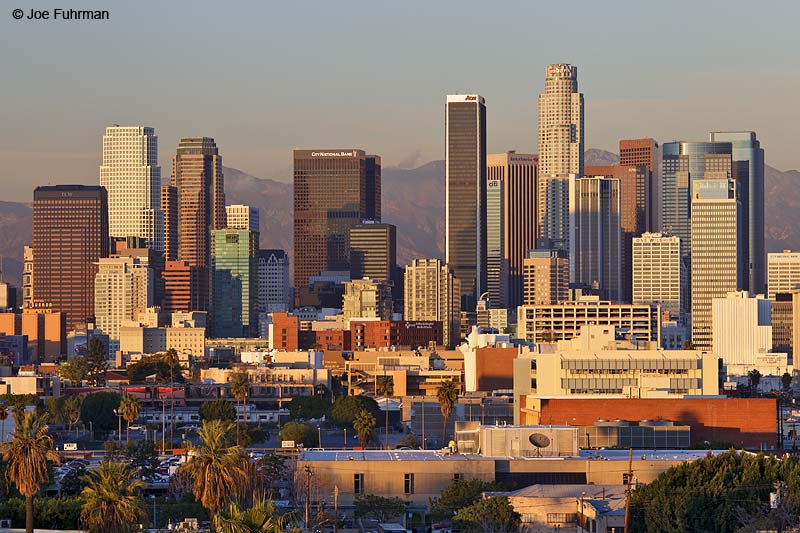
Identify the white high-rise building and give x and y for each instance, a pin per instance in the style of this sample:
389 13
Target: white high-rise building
714 251
274 290
132 177
560 127
658 273
432 292
783 272
742 330
122 286
242 217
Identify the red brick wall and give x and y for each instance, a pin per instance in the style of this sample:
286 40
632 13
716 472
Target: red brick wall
747 422
285 331
495 368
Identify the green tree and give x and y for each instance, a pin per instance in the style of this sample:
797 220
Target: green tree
129 409
72 410
75 370
308 407
143 457
447 394
161 368
218 410
111 499
240 388
364 425
268 470
262 517
378 508
97 361
3 417
346 408
218 467
786 380
754 377
494 514
97 410
27 453
300 433
459 494
385 387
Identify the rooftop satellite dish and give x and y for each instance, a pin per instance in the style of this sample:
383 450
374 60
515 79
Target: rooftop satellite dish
540 440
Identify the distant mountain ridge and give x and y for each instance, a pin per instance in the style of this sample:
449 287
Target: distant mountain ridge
413 200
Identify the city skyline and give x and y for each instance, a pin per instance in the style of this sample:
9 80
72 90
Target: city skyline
257 134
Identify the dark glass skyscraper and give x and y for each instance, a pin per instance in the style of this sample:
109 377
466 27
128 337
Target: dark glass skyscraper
465 186
747 149
334 190
70 234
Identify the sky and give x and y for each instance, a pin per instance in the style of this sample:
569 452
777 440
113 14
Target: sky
265 77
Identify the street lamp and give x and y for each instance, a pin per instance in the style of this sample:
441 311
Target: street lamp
153 496
119 425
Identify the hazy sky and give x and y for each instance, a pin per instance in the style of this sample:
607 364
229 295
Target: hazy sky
265 77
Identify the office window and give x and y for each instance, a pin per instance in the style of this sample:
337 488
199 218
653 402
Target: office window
358 483
409 484
457 476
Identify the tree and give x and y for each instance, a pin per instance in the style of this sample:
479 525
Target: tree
164 367
218 410
409 441
307 407
218 467
720 493
262 517
111 499
459 494
76 370
268 470
129 409
346 408
379 508
240 388
385 387
3 417
97 410
27 453
97 361
447 394
300 433
786 380
364 424
494 514
143 457
754 377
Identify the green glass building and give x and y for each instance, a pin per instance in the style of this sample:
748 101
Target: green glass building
234 263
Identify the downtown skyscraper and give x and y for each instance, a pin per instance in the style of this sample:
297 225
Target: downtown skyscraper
70 235
132 178
561 134
197 177
334 190
465 194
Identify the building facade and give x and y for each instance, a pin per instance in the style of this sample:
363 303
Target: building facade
714 251
27 276
783 272
132 179
367 298
334 190
169 209
432 293
545 275
741 330
234 263
122 286
645 152
242 217
274 290
659 276
596 242
70 234
373 251
465 193
561 128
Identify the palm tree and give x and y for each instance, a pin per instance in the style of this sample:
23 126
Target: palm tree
27 454
219 468
111 499
385 387
129 409
447 393
755 378
240 388
262 517
364 424
3 416
172 359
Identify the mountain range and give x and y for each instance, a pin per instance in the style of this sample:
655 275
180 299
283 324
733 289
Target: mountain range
413 200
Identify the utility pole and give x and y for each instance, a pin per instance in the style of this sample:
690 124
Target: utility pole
163 424
336 509
309 472
423 421
628 490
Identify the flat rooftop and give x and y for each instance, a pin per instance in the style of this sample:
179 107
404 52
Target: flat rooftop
442 455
